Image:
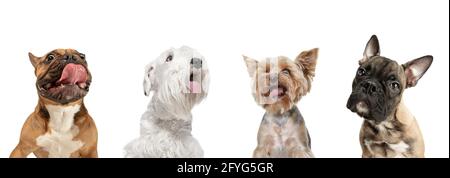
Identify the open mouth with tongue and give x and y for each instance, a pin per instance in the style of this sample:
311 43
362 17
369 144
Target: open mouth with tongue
275 92
194 85
72 84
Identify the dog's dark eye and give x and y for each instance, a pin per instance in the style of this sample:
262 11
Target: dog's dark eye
82 56
169 58
50 57
285 71
361 72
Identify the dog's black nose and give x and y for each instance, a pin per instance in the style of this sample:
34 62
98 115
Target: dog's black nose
196 63
69 57
369 87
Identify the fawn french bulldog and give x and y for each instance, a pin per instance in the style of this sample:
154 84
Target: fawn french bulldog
60 125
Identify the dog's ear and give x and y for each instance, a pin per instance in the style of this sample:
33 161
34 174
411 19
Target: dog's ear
415 69
149 72
372 49
251 65
33 59
308 60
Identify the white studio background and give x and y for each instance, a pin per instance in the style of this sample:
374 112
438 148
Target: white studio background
120 37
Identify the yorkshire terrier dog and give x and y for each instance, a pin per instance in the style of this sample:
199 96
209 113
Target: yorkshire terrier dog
278 84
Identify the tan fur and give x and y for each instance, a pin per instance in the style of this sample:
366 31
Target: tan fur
389 129
402 128
37 123
298 83
282 132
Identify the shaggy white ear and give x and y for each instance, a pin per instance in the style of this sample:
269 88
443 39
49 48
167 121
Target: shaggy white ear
251 65
148 79
415 69
372 49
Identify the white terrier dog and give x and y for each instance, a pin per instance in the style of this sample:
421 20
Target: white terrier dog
179 79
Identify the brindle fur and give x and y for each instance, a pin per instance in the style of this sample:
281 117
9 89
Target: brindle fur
389 129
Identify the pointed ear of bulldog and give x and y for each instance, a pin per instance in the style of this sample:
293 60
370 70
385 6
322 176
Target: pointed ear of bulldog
372 49
33 59
149 72
251 64
308 61
415 69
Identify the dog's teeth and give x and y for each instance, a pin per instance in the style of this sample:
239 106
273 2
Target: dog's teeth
82 85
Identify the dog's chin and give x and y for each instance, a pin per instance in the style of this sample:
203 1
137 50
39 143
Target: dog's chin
196 90
276 100
279 107
64 94
196 85
362 109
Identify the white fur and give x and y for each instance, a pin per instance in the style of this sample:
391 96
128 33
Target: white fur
58 141
414 71
167 123
368 144
362 108
399 148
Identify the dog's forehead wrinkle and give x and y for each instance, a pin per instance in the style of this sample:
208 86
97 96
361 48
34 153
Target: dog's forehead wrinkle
381 67
61 52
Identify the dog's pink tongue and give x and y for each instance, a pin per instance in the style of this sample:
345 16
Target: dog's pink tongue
195 87
73 74
276 92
